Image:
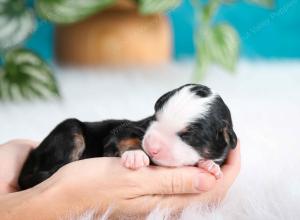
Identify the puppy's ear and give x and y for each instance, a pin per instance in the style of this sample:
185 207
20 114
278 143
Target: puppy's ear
229 135
162 100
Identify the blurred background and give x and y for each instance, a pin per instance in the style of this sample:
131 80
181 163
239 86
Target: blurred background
95 60
113 59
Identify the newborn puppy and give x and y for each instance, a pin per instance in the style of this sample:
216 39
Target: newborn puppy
191 126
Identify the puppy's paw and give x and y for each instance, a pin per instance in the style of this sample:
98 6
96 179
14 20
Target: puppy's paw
135 159
211 167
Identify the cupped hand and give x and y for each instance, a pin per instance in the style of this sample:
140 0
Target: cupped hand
103 182
12 157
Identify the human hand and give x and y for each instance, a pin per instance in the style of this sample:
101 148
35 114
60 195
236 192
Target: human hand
110 184
12 157
104 183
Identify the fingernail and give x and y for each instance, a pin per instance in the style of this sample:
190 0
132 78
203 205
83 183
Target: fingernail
199 182
219 175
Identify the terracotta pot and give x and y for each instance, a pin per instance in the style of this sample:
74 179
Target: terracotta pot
117 36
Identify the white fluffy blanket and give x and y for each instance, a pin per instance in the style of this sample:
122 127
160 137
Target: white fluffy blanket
264 98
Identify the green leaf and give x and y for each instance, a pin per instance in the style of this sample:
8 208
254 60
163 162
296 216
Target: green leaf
25 75
216 45
156 6
203 58
16 23
70 11
209 10
224 45
264 3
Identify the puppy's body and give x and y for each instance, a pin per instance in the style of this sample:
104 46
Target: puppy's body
73 140
190 124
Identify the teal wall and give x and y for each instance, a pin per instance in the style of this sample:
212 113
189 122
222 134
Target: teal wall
264 33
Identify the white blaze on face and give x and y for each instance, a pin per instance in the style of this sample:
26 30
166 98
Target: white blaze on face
161 141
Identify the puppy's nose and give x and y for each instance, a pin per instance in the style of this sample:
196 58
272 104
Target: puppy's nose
153 150
152 145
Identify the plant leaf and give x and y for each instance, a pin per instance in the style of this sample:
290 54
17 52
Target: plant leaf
224 46
25 75
70 11
218 44
16 23
209 10
203 58
265 3
156 6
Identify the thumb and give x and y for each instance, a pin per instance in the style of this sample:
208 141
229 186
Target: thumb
183 180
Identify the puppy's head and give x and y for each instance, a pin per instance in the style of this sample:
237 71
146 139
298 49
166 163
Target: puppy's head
191 123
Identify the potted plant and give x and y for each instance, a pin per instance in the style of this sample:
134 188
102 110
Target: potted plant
124 33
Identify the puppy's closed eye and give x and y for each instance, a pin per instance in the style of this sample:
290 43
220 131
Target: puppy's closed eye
184 133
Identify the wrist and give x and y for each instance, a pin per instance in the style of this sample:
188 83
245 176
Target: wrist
46 199
54 200
19 204
66 195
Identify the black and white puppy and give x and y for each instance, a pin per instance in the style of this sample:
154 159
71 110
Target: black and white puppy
191 126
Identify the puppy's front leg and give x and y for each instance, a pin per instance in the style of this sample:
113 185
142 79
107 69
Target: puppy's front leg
127 141
135 159
132 155
211 167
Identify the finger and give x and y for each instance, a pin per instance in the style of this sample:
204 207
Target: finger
22 142
234 155
233 159
31 143
233 164
160 180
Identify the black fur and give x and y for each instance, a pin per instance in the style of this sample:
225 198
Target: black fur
212 136
100 139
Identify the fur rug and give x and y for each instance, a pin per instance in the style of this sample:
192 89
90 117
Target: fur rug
264 98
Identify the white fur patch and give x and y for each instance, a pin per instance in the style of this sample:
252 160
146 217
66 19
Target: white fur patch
183 108
181 155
